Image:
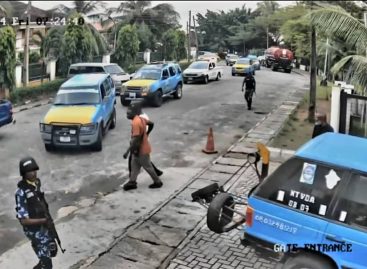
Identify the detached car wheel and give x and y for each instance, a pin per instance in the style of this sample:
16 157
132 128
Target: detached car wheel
178 92
220 212
307 261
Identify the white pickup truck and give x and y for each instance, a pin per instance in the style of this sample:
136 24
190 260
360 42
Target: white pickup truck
202 71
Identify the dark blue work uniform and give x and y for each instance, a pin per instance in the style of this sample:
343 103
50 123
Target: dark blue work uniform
28 205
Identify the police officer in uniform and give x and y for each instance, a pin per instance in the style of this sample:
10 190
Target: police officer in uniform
250 84
32 213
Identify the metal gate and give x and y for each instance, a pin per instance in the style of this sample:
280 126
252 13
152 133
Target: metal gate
36 71
353 114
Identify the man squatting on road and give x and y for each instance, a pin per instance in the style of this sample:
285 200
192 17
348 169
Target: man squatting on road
140 149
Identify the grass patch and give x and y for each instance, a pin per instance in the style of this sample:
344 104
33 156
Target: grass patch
298 130
35 93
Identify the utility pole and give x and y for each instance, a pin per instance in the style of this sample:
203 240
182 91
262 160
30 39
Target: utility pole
196 39
189 32
188 41
26 47
267 37
312 102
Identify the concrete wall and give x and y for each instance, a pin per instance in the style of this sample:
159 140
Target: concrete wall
18 75
106 58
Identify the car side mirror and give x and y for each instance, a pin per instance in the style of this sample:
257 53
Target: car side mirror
164 77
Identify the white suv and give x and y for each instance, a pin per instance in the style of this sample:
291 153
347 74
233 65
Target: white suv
118 75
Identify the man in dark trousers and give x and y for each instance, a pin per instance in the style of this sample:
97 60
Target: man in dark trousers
150 126
321 125
31 213
250 87
140 149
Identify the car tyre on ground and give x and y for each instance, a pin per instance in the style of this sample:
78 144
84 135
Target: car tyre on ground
157 98
306 260
98 145
125 102
49 147
218 77
219 212
113 119
206 80
178 92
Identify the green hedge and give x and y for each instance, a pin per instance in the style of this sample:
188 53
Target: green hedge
20 95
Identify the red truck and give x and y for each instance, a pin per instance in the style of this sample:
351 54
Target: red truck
279 58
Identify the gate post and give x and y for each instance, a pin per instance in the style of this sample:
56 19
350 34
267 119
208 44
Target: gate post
343 111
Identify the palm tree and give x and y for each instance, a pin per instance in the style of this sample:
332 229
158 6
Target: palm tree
82 7
337 23
6 9
159 18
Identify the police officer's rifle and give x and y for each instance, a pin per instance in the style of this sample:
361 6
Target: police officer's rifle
50 223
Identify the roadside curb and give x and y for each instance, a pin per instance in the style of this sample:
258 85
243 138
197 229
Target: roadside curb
21 108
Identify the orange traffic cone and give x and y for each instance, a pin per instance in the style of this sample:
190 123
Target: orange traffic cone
209 149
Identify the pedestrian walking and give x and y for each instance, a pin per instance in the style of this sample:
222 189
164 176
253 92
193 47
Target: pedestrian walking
250 87
321 125
149 128
32 212
140 149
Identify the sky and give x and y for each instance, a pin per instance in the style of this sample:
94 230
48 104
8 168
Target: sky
182 7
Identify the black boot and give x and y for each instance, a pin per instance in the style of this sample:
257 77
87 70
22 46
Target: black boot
44 263
156 185
130 186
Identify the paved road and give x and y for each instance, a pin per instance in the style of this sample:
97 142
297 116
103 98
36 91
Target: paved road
180 134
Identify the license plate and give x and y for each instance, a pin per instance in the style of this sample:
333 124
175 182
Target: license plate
190 78
132 94
65 139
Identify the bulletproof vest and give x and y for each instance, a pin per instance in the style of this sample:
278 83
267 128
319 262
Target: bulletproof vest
249 82
35 206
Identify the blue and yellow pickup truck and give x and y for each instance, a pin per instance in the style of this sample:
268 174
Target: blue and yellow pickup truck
152 82
243 66
6 112
83 111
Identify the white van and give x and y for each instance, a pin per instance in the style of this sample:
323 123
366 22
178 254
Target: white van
118 75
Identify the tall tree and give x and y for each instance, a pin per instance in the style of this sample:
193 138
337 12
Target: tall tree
127 45
159 18
7 58
78 44
336 22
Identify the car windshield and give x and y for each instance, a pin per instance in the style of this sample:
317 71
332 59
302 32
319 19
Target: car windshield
243 61
114 69
74 70
152 74
199 65
77 97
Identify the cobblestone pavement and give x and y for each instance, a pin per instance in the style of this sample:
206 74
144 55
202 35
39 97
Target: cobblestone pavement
210 250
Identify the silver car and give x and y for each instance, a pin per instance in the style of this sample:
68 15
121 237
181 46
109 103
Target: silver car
118 75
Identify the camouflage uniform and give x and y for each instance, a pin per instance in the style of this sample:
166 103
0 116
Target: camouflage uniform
38 234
